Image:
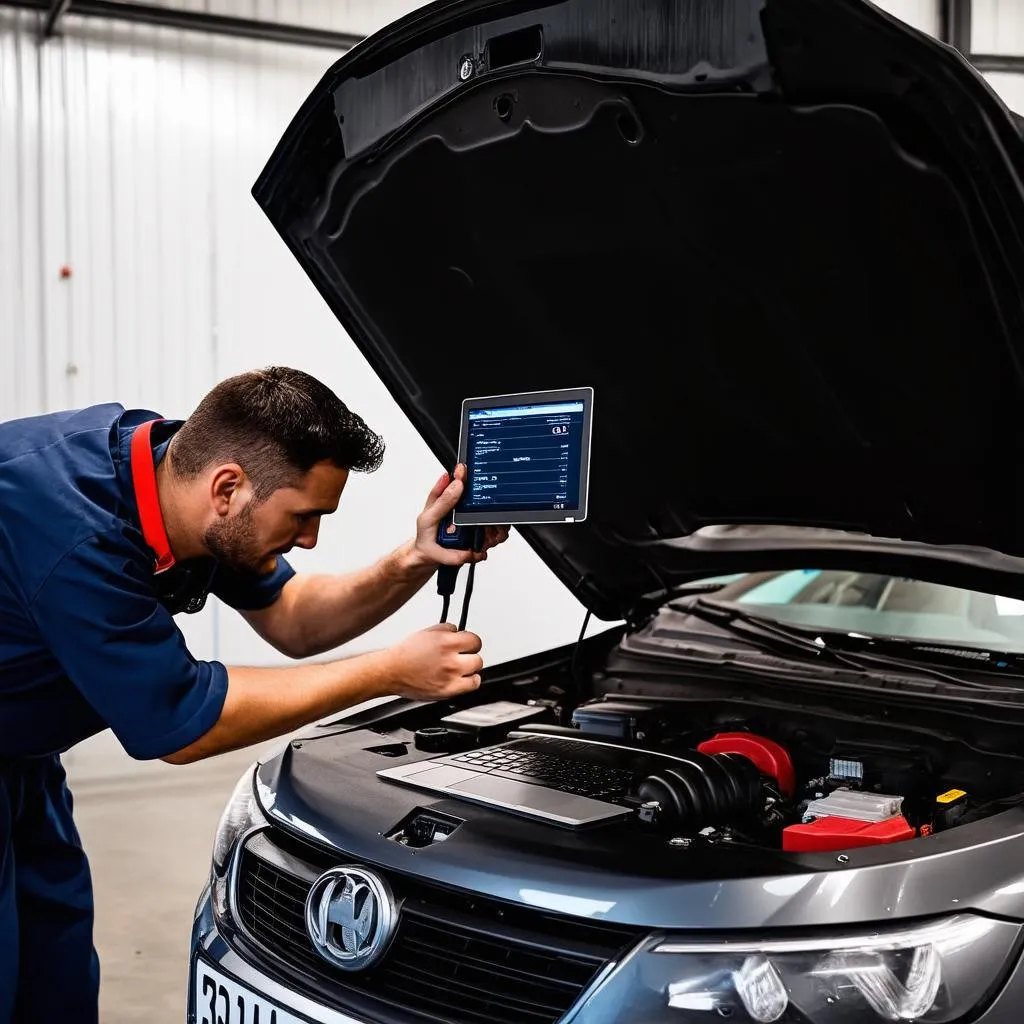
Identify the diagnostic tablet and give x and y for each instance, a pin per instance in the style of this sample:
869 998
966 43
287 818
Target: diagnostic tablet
527 458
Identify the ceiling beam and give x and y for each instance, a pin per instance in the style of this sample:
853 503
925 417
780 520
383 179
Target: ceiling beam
189 21
58 8
955 24
1007 62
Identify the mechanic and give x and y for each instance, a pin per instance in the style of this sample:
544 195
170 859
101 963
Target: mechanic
112 522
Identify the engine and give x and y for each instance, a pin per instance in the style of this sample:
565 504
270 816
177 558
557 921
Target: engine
740 785
800 780
745 784
801 794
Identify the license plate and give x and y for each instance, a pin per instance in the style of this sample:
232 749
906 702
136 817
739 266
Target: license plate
218 999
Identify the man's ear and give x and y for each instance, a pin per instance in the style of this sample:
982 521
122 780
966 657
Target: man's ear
228 487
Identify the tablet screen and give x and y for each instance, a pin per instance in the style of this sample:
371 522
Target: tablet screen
527 456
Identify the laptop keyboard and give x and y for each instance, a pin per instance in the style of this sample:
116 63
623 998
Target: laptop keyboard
580 777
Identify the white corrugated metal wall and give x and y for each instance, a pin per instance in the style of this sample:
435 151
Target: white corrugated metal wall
922 14
126 155
997 26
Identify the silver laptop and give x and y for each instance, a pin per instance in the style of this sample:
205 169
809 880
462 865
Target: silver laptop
567 782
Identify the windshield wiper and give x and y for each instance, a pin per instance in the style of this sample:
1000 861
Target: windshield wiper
647 607
824 645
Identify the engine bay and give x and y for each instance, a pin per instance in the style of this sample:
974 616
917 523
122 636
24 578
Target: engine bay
793 780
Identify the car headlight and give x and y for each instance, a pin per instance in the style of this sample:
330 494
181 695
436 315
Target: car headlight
931 973
242 813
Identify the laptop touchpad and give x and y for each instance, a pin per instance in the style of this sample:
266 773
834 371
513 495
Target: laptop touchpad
441 776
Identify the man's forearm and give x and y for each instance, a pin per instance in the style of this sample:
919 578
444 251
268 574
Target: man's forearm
324 612
264 703
436 663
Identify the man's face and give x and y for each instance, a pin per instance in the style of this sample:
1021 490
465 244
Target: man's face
250 539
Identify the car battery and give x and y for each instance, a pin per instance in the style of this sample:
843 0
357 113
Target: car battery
825 835
848 818
618 719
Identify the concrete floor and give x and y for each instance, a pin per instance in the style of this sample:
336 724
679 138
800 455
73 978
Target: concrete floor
148 830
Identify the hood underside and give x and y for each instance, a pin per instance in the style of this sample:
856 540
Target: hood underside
782 239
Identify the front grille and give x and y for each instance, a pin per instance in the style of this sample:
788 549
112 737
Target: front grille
455 958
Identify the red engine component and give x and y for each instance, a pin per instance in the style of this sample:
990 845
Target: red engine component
770 758
824 835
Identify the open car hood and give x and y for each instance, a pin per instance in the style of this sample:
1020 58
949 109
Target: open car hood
782 239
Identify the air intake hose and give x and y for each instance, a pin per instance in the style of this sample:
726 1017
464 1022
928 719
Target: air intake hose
697 790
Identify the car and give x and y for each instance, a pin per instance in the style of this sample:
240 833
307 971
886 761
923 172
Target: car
783 241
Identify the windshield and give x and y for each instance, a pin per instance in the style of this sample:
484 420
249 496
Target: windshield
882 606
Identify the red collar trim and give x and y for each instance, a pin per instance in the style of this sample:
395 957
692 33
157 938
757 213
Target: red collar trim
146 497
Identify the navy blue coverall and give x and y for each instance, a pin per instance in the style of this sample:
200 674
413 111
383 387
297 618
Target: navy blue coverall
87 642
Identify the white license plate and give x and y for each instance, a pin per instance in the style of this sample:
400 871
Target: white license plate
218 999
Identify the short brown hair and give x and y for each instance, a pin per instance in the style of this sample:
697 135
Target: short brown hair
276 423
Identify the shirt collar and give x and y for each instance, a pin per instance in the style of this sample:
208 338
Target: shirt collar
160 439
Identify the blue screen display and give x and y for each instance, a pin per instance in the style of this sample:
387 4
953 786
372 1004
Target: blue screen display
524 458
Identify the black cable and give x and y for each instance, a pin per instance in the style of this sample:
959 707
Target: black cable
466 596
573 666
447 575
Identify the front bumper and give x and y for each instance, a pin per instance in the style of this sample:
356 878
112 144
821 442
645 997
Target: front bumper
209 945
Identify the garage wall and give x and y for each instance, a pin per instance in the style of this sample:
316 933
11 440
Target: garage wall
922 14
126 156
998 28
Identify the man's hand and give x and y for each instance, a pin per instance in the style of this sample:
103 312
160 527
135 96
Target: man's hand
436 663
442 499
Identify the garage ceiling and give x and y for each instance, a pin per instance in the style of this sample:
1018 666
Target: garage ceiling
315 27
316 22
339 24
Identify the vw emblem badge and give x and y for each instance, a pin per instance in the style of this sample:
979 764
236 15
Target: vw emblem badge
351 917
